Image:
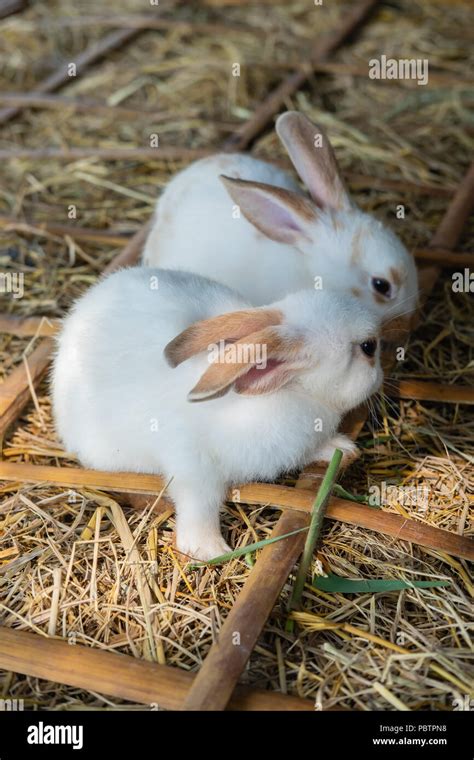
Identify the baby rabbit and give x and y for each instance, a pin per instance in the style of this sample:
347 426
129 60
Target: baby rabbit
284 240
142 344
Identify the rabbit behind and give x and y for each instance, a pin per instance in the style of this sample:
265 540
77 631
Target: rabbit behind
142 344
282 241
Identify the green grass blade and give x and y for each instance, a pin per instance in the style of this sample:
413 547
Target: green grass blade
317 516
334 584
245 550
340 491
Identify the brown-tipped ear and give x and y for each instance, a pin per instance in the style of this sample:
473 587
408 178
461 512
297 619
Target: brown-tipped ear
226 327
282 215
313 158
259 363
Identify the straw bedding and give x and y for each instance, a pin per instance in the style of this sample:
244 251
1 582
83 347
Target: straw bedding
65 560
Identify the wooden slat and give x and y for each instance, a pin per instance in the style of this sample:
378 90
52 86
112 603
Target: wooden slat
280 497
109 237
216 680
131 252
15 391
443 257
449 231
119 675
105 154
422 390
364 182
8 7
401 528
25 327
72 477
59 102
147 21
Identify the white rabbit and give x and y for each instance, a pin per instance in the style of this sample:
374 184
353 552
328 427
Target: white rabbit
197 228
142 344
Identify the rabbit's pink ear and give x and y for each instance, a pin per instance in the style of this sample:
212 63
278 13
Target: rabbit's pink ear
280 214
259 363
228 328
313 158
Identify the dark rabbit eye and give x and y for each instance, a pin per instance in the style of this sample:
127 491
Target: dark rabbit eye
369 347
381 286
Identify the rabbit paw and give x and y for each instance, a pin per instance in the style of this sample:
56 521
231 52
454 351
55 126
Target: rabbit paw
202 546
350 451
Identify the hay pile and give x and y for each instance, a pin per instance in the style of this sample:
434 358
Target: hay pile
65 563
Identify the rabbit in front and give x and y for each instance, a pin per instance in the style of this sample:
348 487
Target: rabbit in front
282 241
142 347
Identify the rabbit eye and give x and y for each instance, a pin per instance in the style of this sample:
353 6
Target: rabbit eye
382 286
369 347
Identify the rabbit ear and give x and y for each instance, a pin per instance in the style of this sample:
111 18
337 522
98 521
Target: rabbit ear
313 158
259 363
226 327
280 214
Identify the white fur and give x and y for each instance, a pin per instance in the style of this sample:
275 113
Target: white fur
195 229
118 405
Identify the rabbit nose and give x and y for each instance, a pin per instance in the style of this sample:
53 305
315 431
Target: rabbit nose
369 347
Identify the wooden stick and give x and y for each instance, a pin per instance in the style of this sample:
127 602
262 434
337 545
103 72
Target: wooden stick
119 675
105 154
273 102
150 22
24 327
216 680
76 477
362 181
15 390
450 228
90 55
37 100
449 231
131 252
280 497
109 237
428 391
8 7
443 257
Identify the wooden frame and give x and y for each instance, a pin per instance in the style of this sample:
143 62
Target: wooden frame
215 686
